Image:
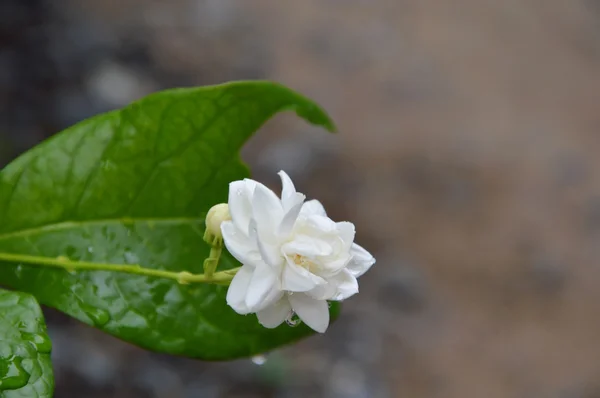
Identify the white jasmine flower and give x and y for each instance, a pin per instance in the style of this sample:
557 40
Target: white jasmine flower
294 257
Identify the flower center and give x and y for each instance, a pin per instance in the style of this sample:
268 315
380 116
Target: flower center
304 262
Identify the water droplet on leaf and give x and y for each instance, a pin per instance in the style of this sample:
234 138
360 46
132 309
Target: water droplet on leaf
12 374
98 316
41 342
131 258
90 249
259 360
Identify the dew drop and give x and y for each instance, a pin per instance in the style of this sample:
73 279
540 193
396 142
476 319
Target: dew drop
133 320
90 249
41 342
131 258
98 316
13 374
259 360
293 320
19 271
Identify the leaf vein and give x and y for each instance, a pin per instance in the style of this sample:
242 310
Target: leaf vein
76 224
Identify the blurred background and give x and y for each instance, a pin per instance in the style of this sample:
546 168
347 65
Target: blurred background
467 157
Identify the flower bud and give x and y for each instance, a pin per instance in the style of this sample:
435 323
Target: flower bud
216 215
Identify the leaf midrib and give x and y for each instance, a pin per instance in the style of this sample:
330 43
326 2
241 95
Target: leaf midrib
66 225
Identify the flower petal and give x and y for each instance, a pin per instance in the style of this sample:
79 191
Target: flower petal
238 288
287 224
346 285
307 246
315 313
240 203
321 224
330 267
267 212
298 279
313 207
239 244
252 231
289 195
276 314
323 292
263 282
273 296
270 253
361 261
347 232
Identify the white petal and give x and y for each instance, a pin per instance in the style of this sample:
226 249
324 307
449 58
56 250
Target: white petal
323 292
239 244
238 288
298 279
321 224
240 203
331 266
315 313
287 224
288 191
276 314
273 296
270 253
252 231
361 261
347 232
289 197
263 283
346 284
313 207
307 246
288 188
267 212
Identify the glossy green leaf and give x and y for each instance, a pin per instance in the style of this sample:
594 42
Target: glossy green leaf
25 367
133 186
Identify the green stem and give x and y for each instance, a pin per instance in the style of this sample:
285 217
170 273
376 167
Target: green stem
212 262
220 278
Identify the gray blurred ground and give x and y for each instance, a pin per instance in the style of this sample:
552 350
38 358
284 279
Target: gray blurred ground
467 157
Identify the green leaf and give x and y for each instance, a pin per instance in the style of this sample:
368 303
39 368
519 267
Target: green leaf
25 367
133 186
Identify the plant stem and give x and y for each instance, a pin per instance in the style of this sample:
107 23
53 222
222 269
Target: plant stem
183 277
212 262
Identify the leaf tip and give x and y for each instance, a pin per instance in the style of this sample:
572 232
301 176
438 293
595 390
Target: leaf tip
315 115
